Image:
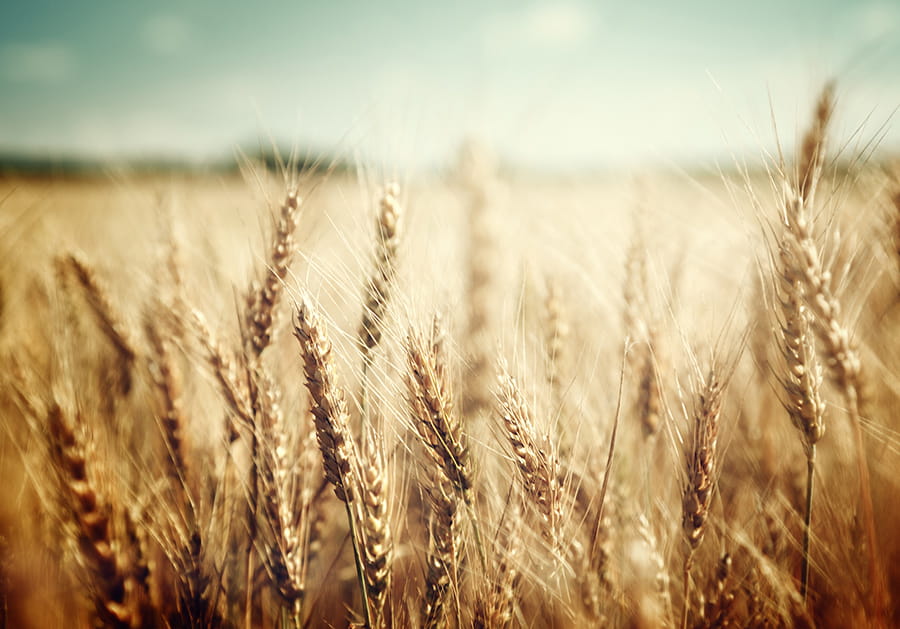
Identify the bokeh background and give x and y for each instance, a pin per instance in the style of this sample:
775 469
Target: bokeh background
549 85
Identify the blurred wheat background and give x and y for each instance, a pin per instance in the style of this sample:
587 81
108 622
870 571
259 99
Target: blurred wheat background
627 356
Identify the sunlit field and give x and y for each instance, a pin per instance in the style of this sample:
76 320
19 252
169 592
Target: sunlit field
290 397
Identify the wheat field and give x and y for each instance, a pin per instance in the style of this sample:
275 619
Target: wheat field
475 399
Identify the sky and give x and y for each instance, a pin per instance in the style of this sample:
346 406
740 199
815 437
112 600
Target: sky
554 85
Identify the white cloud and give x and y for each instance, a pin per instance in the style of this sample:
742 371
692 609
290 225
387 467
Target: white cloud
557 24
548 25
876 20
39 62
166 34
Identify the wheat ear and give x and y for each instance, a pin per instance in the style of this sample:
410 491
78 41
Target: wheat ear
108 318
428 393
535 456
378 289
379 285
812 150
801 382
440 573
262 300
340 458
378 540
90 516
556 336
842 358
476 394
234 388
166 375
701 474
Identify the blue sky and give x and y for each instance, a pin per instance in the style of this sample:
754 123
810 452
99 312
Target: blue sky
552 84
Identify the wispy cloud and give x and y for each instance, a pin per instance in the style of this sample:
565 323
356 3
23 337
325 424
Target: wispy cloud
876 20
166 34
547 25
36 62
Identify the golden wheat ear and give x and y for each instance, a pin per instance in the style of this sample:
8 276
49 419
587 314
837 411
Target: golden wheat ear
813 149
108 580
263 298
535 456
109 319
804 260
441 574
436 422
340 456
801 381
378 287
702 469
